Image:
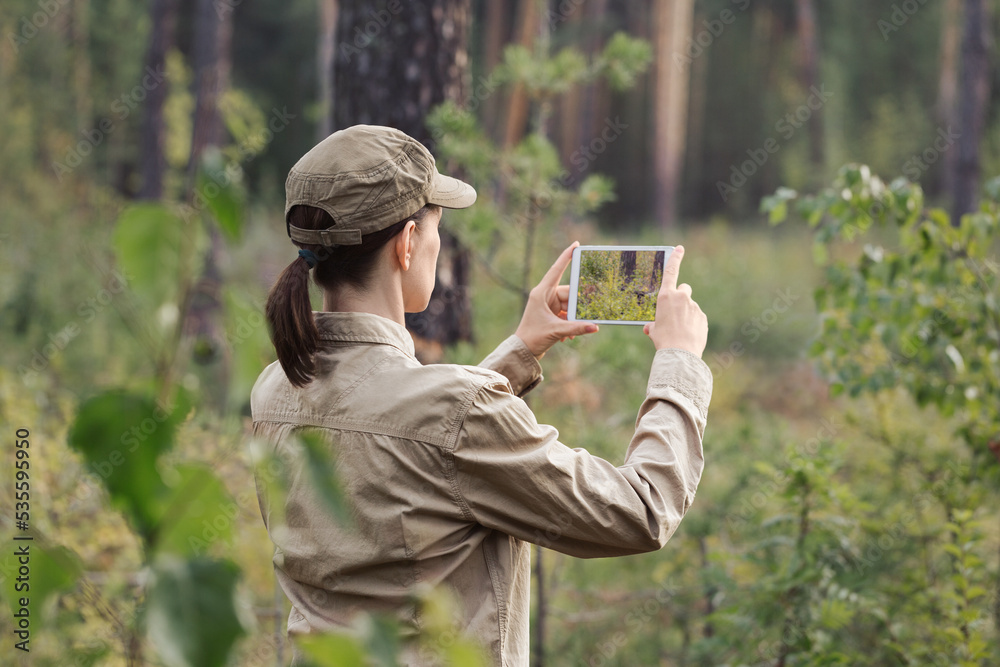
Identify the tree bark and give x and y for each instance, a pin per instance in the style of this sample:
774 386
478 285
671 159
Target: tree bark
947 102
594 94
974 93
528 21
153 156
496 26
392 68
212 64
672 28
627 265
325 51
805 13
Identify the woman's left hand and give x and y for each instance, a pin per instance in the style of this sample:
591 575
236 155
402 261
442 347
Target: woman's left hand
544 321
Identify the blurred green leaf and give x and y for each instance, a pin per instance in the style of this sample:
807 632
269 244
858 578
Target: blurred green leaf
198 513
147 243
121 435
52 569
332 650
191 613
217 190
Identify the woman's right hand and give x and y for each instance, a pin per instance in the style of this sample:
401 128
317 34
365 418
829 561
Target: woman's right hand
679 323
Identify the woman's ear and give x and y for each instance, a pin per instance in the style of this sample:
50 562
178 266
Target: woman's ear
404 244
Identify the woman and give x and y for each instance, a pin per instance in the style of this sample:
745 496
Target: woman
447 472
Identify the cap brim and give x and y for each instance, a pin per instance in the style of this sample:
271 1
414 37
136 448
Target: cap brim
452 193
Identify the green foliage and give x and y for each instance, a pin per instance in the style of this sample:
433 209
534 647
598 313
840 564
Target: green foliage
192 613
122 435
53 570
916 309
919 309
217 190
543 74
196 514
149 242
524 189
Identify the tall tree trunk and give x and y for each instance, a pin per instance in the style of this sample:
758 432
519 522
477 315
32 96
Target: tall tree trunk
496 29
594 93
805 12
974 94
325 52
212 64
570 107
947 102
392 69
696 128
672 28
153 158
528 21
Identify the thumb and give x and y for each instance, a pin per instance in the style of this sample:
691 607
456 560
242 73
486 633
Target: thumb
577 329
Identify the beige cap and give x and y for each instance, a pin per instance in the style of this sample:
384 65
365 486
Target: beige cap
368 177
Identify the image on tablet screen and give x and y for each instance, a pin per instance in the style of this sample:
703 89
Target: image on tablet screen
619 285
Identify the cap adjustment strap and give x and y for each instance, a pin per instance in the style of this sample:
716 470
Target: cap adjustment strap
325 237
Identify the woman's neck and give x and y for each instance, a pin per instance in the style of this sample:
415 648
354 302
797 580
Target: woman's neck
379 299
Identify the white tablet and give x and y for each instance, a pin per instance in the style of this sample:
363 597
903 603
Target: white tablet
615 284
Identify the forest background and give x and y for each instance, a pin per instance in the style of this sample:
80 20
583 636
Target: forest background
848 512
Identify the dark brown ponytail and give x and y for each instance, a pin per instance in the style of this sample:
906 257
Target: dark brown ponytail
288 309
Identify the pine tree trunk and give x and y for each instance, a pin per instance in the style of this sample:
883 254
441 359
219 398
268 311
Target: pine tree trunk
212 64
672 28
947 103
394 62
974 94
805 12
328 10
392 68
496 32
153 158
516 122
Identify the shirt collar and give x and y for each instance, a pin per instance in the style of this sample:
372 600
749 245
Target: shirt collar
363 328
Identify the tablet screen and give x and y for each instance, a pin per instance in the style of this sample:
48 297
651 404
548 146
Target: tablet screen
619 285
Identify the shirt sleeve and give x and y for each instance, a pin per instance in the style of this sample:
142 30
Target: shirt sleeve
514 361
514 475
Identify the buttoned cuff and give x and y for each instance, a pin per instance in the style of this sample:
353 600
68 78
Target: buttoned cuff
685 374
514 361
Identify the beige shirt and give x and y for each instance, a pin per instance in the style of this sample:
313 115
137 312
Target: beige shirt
450 476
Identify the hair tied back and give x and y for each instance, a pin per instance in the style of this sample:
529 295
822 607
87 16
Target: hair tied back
310 257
